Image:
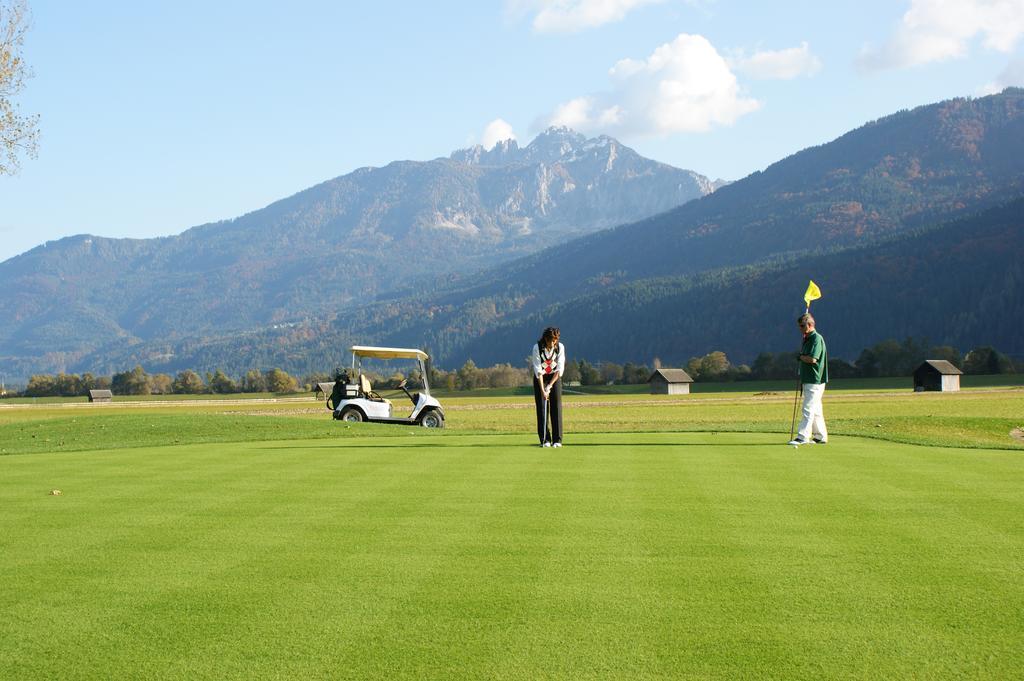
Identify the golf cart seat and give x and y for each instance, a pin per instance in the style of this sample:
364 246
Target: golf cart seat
367 390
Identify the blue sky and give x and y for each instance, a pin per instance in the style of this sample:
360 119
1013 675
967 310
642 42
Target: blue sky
159 116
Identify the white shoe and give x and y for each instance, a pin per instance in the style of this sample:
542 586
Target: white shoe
546 444
796 442
557 444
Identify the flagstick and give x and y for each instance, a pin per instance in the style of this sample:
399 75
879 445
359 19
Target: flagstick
796 398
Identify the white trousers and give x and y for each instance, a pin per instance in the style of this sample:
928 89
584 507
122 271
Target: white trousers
812 418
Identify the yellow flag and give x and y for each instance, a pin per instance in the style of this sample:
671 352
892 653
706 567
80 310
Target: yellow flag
812 293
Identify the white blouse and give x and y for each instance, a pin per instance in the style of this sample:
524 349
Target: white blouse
548 361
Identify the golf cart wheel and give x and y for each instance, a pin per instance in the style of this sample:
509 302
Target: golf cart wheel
352 415
432 419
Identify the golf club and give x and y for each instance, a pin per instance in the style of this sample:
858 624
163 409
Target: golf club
544 438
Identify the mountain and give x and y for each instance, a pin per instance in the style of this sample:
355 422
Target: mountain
906 222
913 170
960 283
338 244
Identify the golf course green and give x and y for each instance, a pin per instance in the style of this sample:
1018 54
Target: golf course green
674 537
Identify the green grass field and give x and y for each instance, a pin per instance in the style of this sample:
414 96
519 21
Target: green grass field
670 538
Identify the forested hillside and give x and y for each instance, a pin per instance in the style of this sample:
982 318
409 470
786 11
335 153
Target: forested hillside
342 243
961 284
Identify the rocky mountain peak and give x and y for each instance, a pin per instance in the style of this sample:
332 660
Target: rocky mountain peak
502 153
556 144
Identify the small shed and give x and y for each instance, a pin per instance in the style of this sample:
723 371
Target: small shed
100 396
670 382
937 374
322 390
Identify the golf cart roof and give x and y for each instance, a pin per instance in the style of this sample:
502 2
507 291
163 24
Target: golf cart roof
388 353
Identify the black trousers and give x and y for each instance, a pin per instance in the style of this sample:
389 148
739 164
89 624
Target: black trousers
544 432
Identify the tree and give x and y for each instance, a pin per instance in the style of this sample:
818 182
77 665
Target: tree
840 368
763 365
88 383
611 372
468 376
572 371
506 376
68 385
713 365
18 134
134 382
987 360
589 375
221 384
188 382
278 381
161 384
634 374
889 357
253 382
739 372
40 385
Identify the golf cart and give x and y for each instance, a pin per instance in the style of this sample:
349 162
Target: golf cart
361 403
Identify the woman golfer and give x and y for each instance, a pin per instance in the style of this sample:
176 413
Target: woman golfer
548 360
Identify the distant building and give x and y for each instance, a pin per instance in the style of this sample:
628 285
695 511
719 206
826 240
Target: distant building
100 396
322 390
937 374
670 382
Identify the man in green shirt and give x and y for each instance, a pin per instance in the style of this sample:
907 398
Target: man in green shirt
813 377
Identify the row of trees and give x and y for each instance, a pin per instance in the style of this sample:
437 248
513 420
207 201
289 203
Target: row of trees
138 382
469 376
887 358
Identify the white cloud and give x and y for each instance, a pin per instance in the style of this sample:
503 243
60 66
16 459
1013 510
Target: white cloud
568 16
683 86
937 30
496 131
778 64
1012 76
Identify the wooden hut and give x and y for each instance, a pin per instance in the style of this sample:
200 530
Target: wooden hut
322 390
670 382
937 374
100 396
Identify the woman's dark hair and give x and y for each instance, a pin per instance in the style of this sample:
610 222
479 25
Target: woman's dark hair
549 338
